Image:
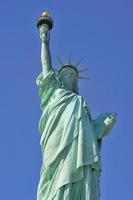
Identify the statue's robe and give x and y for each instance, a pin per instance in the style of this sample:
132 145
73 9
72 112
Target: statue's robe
70 150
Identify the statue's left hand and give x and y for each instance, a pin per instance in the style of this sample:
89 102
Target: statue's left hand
104 124
110 120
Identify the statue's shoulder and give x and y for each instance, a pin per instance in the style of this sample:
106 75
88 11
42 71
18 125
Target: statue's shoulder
49 78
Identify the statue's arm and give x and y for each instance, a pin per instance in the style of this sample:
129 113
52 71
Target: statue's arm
45 50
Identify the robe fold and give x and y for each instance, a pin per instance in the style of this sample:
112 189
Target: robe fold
71 159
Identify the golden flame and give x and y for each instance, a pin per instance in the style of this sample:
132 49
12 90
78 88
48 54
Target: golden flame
45 14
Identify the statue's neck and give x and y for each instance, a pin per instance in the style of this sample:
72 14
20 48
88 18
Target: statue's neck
69 88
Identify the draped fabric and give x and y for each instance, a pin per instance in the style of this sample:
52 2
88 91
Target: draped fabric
70 152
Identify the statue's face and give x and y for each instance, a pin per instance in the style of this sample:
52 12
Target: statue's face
69 78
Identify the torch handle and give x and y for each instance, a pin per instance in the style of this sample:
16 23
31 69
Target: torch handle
44 33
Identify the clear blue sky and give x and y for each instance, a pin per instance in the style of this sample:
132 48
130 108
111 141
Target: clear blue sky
100 32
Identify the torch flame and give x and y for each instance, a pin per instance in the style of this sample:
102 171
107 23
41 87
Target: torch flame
45 14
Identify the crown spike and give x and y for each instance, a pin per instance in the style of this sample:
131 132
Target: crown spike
82 70
69 59
78 63
60 61
83 78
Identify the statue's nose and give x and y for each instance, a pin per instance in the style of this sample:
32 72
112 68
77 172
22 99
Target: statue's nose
69 74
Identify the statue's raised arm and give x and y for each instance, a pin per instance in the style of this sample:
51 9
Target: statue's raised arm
44 24
45 51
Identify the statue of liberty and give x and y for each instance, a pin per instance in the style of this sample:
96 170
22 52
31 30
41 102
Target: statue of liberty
70 138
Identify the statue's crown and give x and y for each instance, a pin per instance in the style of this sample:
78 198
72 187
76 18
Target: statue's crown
68 66
72 66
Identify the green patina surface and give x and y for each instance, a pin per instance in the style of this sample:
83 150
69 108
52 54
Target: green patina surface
70 138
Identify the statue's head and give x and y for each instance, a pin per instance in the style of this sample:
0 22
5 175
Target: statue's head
69 75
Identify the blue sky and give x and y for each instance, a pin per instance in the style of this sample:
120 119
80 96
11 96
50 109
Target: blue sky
100 32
